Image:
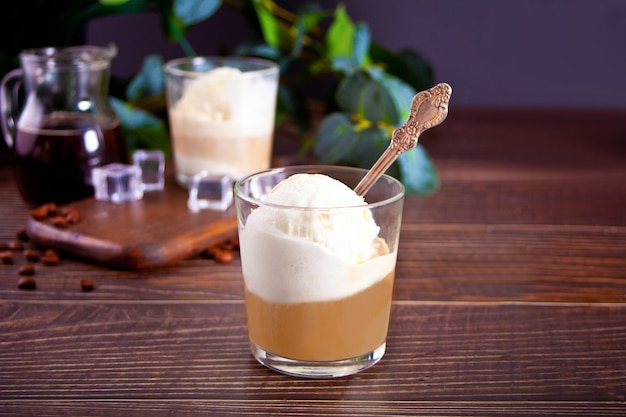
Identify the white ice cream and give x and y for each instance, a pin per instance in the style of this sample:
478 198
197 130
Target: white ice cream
212 94
302 254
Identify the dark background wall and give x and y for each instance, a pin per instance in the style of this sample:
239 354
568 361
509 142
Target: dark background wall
537 53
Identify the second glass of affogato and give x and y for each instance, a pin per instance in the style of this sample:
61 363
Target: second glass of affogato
222 113
318 263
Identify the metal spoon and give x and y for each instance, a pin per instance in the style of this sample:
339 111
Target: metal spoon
428 109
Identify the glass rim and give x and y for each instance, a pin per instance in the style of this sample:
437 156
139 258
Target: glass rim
79 54
172 67
239 193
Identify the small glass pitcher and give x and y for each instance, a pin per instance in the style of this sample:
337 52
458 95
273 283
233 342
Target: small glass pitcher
65 126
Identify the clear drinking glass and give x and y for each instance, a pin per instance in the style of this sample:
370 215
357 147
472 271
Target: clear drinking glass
310 312
222 115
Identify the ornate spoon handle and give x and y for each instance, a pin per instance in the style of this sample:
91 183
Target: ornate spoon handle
428 109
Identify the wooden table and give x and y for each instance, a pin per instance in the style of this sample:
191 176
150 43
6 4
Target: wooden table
510 299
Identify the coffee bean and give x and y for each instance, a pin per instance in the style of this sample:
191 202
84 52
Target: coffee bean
22 235
26 283
222 252
51 207
71 214
15 245
7 258
86 284
227 245
224 256
209 252
32 255
28 269
59 221
50 257
44 211
39 213
234 242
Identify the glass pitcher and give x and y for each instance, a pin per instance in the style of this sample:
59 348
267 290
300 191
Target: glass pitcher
64 126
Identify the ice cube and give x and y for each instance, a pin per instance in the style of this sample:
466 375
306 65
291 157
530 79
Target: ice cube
210 192
117 182
152 165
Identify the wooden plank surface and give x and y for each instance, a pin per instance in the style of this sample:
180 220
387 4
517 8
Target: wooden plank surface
438 260
509 299
166 354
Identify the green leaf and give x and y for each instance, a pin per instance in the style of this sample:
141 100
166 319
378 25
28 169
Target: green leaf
258 48
417 172
143 130
312 14
372 143
112 2
362 40
407 65
399 92
298 43
149 81
270 27
360 94
348 95
191 12
335 139
420 73
309 16
340 35
173 27
343 64
377 104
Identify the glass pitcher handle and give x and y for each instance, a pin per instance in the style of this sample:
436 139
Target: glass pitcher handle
9 108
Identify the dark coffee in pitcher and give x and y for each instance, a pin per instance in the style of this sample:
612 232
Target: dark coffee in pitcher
65 125
54 162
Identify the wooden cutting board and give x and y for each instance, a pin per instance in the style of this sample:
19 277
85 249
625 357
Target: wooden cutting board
156 231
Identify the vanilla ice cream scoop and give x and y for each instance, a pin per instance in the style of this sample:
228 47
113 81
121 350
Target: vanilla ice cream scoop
212 95
351 235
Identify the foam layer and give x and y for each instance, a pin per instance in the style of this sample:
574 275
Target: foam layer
282 268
